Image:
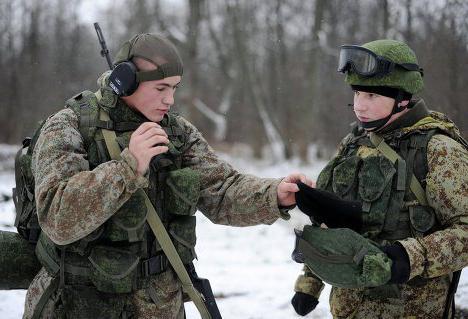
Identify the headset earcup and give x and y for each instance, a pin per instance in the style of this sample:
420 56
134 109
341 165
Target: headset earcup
123 80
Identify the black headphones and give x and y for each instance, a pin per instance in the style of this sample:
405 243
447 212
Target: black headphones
123 79
125 76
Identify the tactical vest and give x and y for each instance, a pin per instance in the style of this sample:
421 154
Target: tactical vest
120 255
391 210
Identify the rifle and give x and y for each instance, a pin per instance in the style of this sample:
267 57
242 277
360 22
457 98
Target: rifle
104 50
203 286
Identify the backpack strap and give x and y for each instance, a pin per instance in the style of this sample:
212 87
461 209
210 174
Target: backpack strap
86 107
45 297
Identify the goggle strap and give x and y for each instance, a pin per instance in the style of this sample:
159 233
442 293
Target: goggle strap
411 67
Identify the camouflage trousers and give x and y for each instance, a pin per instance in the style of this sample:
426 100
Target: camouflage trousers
415 300
162 299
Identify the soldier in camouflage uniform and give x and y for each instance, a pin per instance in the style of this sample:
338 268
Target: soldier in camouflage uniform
99 257
425 242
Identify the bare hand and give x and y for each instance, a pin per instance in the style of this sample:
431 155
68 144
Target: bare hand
145 143
288 187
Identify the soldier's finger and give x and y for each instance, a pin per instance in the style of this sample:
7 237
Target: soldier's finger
156 139
158 150
309 182
152 132
297 177
146 126
287 187
302 178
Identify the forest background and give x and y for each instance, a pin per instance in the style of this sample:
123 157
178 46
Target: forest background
260 76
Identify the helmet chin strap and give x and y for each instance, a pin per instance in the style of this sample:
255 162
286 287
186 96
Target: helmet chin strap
378 124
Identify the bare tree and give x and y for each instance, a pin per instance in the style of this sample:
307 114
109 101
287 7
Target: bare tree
256 72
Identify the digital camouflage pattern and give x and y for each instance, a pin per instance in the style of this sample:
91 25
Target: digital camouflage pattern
18 262
73 201
162 299
308 283
432 257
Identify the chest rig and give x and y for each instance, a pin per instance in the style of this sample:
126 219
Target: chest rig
120 255
391 210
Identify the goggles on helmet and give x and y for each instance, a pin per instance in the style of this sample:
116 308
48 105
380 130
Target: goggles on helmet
368 64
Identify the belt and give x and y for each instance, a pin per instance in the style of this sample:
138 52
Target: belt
154 265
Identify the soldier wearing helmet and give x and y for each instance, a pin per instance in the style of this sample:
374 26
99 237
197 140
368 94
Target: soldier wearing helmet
107 163
398 186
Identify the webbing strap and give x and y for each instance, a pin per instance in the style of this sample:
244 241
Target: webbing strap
168 247
46 294
51 264
110 137
17 194
389 153
160 231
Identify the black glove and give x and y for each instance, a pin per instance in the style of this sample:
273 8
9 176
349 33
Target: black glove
400 263
326 207
303 303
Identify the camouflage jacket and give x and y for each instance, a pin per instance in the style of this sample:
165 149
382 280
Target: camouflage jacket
73 201
432 257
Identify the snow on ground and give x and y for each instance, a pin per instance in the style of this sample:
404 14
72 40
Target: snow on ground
250 268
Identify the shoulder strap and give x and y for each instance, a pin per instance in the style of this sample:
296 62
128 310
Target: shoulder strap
393 156
87 113
85 105
159 231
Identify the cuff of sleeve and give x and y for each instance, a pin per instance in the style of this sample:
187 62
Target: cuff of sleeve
281 211
416 254
309 285
136 181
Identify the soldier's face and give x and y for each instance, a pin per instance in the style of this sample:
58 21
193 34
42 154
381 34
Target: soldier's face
154 99
370 106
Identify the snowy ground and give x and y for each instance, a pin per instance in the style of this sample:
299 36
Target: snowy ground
249 268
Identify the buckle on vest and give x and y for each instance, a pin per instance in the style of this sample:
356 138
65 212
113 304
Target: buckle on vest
154 265
108 125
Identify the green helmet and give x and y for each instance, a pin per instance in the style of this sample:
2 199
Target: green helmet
342 258
399 77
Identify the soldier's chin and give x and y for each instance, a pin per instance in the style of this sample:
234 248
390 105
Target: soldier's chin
155 117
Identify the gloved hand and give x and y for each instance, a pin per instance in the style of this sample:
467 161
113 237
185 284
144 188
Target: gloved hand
326 207
303 303
400 263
